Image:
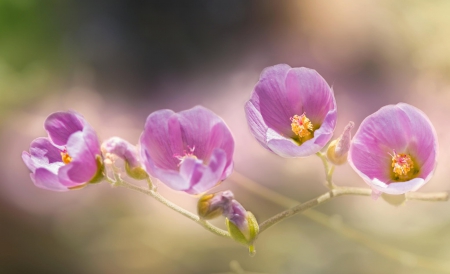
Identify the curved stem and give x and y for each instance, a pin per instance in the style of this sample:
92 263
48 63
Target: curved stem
385 250
169 204
340 191
312 203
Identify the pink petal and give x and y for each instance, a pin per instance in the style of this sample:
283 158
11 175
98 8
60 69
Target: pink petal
83 166
42 154
197 131
275 106
423 142
169 177
46 179
309 93
201 177
255 121
157 141
60 125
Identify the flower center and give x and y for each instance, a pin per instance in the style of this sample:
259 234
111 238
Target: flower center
65 157
301 125
403 166
187 154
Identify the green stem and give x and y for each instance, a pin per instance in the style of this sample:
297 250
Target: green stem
335 192
328 170
220 232
383 249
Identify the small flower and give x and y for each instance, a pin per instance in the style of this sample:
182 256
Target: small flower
338 149
292 111
395 149
128 153
69 158
190 151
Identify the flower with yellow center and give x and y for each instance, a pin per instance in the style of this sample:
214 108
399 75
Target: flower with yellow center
274 111
69 158
394 150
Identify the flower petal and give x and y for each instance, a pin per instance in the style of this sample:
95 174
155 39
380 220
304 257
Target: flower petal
286 147
83 166
60 125
46 179
310 93
202 178
220 138
169 177
397 188
274 104
157 141
203 130
423 142
255 121
42 154
74 174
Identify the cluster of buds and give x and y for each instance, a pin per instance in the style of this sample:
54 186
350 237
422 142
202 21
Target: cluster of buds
123 149
241 224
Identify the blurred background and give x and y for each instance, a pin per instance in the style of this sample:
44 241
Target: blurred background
117 61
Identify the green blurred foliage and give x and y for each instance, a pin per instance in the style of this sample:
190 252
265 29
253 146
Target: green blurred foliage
31 52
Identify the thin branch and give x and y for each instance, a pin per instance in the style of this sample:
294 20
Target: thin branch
385 250
340 191
164 201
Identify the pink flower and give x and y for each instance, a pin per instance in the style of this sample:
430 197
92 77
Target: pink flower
292 111
395 149
191 151
69 158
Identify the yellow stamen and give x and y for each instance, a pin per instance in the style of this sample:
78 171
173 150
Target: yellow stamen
301 125
65 157
402 164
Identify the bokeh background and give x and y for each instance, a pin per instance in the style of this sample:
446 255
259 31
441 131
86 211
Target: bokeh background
117 61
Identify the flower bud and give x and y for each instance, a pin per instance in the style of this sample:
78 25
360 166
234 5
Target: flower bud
213 205
241 224
128 153
395 200
338 149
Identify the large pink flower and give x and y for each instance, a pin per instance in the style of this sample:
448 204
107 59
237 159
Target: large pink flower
191 151
395 149
292 111
69 158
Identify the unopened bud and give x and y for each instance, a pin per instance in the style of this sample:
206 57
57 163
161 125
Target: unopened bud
210 206
128 153
338 149
395 200
241 224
